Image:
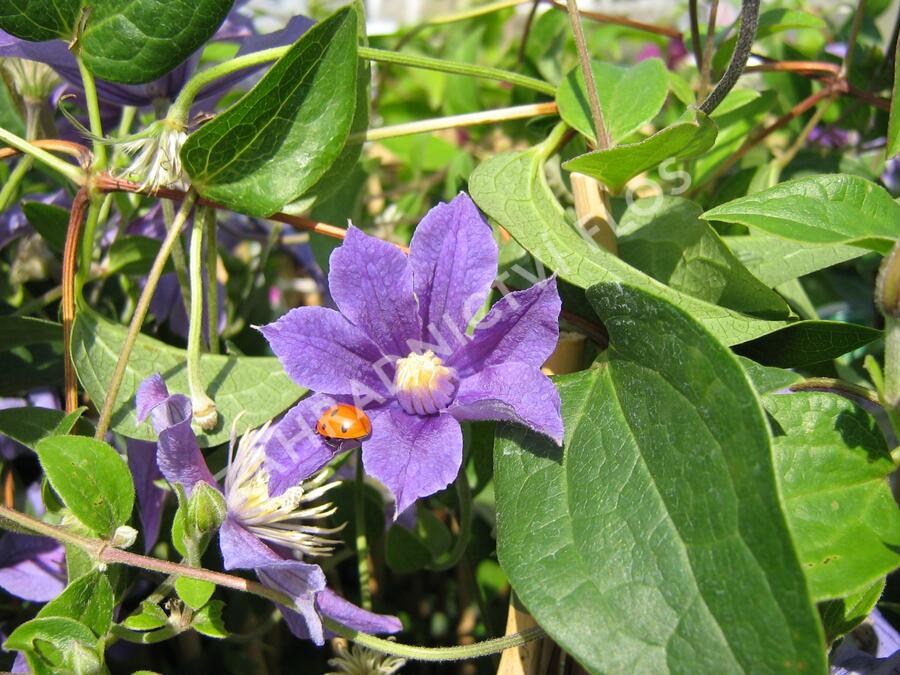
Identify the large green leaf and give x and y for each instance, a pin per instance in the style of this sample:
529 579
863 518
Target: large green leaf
665 238
775 261
20 331
616 166
822 209
654 541
277 141
29 425
629 97
256 386
833 465
91 478
511 189
39 20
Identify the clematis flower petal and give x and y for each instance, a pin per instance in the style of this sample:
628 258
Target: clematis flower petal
178 455
414 456
294 449
323 351
513 392
454 260
300 580
371 283
142 463
335 607
32 568
522 327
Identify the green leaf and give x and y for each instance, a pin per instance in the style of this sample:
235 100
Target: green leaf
256 386
805 343
821 209
893 135
511 189
776 261
26 368
29 425
654 541
282 136
208 621
839 617
55 644
405 552
665 238
833 465
38 20
89 599
20 331
50 221
766 379
133 255
91 478
735 117
141 40
616 166
629 97
195 592
150 617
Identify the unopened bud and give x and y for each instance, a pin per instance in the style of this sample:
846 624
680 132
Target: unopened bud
206 511
887 284
124 537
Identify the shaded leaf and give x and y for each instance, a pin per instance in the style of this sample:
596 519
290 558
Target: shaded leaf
20 331
50 221
208 621
88 599
39 20
277 141
256 386
91 478
643 544
775 261
821 209
28 425
839 617
805 343
833 465
56 644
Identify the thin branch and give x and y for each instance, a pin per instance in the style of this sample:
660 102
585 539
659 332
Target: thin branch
695 32
70 254
851 40
801 67
76 150
526 31
746 36
585 58
622 21
706 67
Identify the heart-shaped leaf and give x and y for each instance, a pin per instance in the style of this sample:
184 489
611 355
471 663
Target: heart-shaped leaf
641 545
277 141
822 209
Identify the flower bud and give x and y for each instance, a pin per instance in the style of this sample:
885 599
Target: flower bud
124 537
206 511
887 284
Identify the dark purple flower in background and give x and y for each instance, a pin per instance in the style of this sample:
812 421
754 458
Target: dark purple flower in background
399 349
266 534
675 52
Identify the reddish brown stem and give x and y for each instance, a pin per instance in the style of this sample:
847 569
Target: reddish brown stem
8 490
76 150
70 253
802 67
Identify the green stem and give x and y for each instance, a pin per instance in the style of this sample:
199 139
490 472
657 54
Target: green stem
548 146
603 141
102 552
93 109
851 40
87 244
212 286
140 313
179 261
464 496
460 653
892 362
181 107
8 193
71 172
362 545
203 406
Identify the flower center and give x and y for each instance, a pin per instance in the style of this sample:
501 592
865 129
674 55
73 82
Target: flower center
290 520
423 384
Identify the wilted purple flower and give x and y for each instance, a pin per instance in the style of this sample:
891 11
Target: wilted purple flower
31 567
260 532
399 349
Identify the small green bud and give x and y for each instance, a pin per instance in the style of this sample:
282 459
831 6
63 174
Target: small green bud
887 284
206 510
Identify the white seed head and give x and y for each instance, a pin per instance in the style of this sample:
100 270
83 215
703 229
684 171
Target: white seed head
293 519
358 660
157 162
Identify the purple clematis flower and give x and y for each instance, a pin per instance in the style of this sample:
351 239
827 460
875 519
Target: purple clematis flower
260 532
399 349
31 567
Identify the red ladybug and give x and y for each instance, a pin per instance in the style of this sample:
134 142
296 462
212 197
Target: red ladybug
342 423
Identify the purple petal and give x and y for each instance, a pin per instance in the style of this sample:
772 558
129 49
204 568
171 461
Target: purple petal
454 260
294 449
324 352
178 455
512 392
371 283
414 456
31 568
523 326
300 580
142 462
346 613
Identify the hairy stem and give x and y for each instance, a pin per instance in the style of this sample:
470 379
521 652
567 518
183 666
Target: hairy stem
706 67
851 39
140 313
585 59
694 12
749 23
11 186
93 109
87 243
70 254
362 544
212 285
